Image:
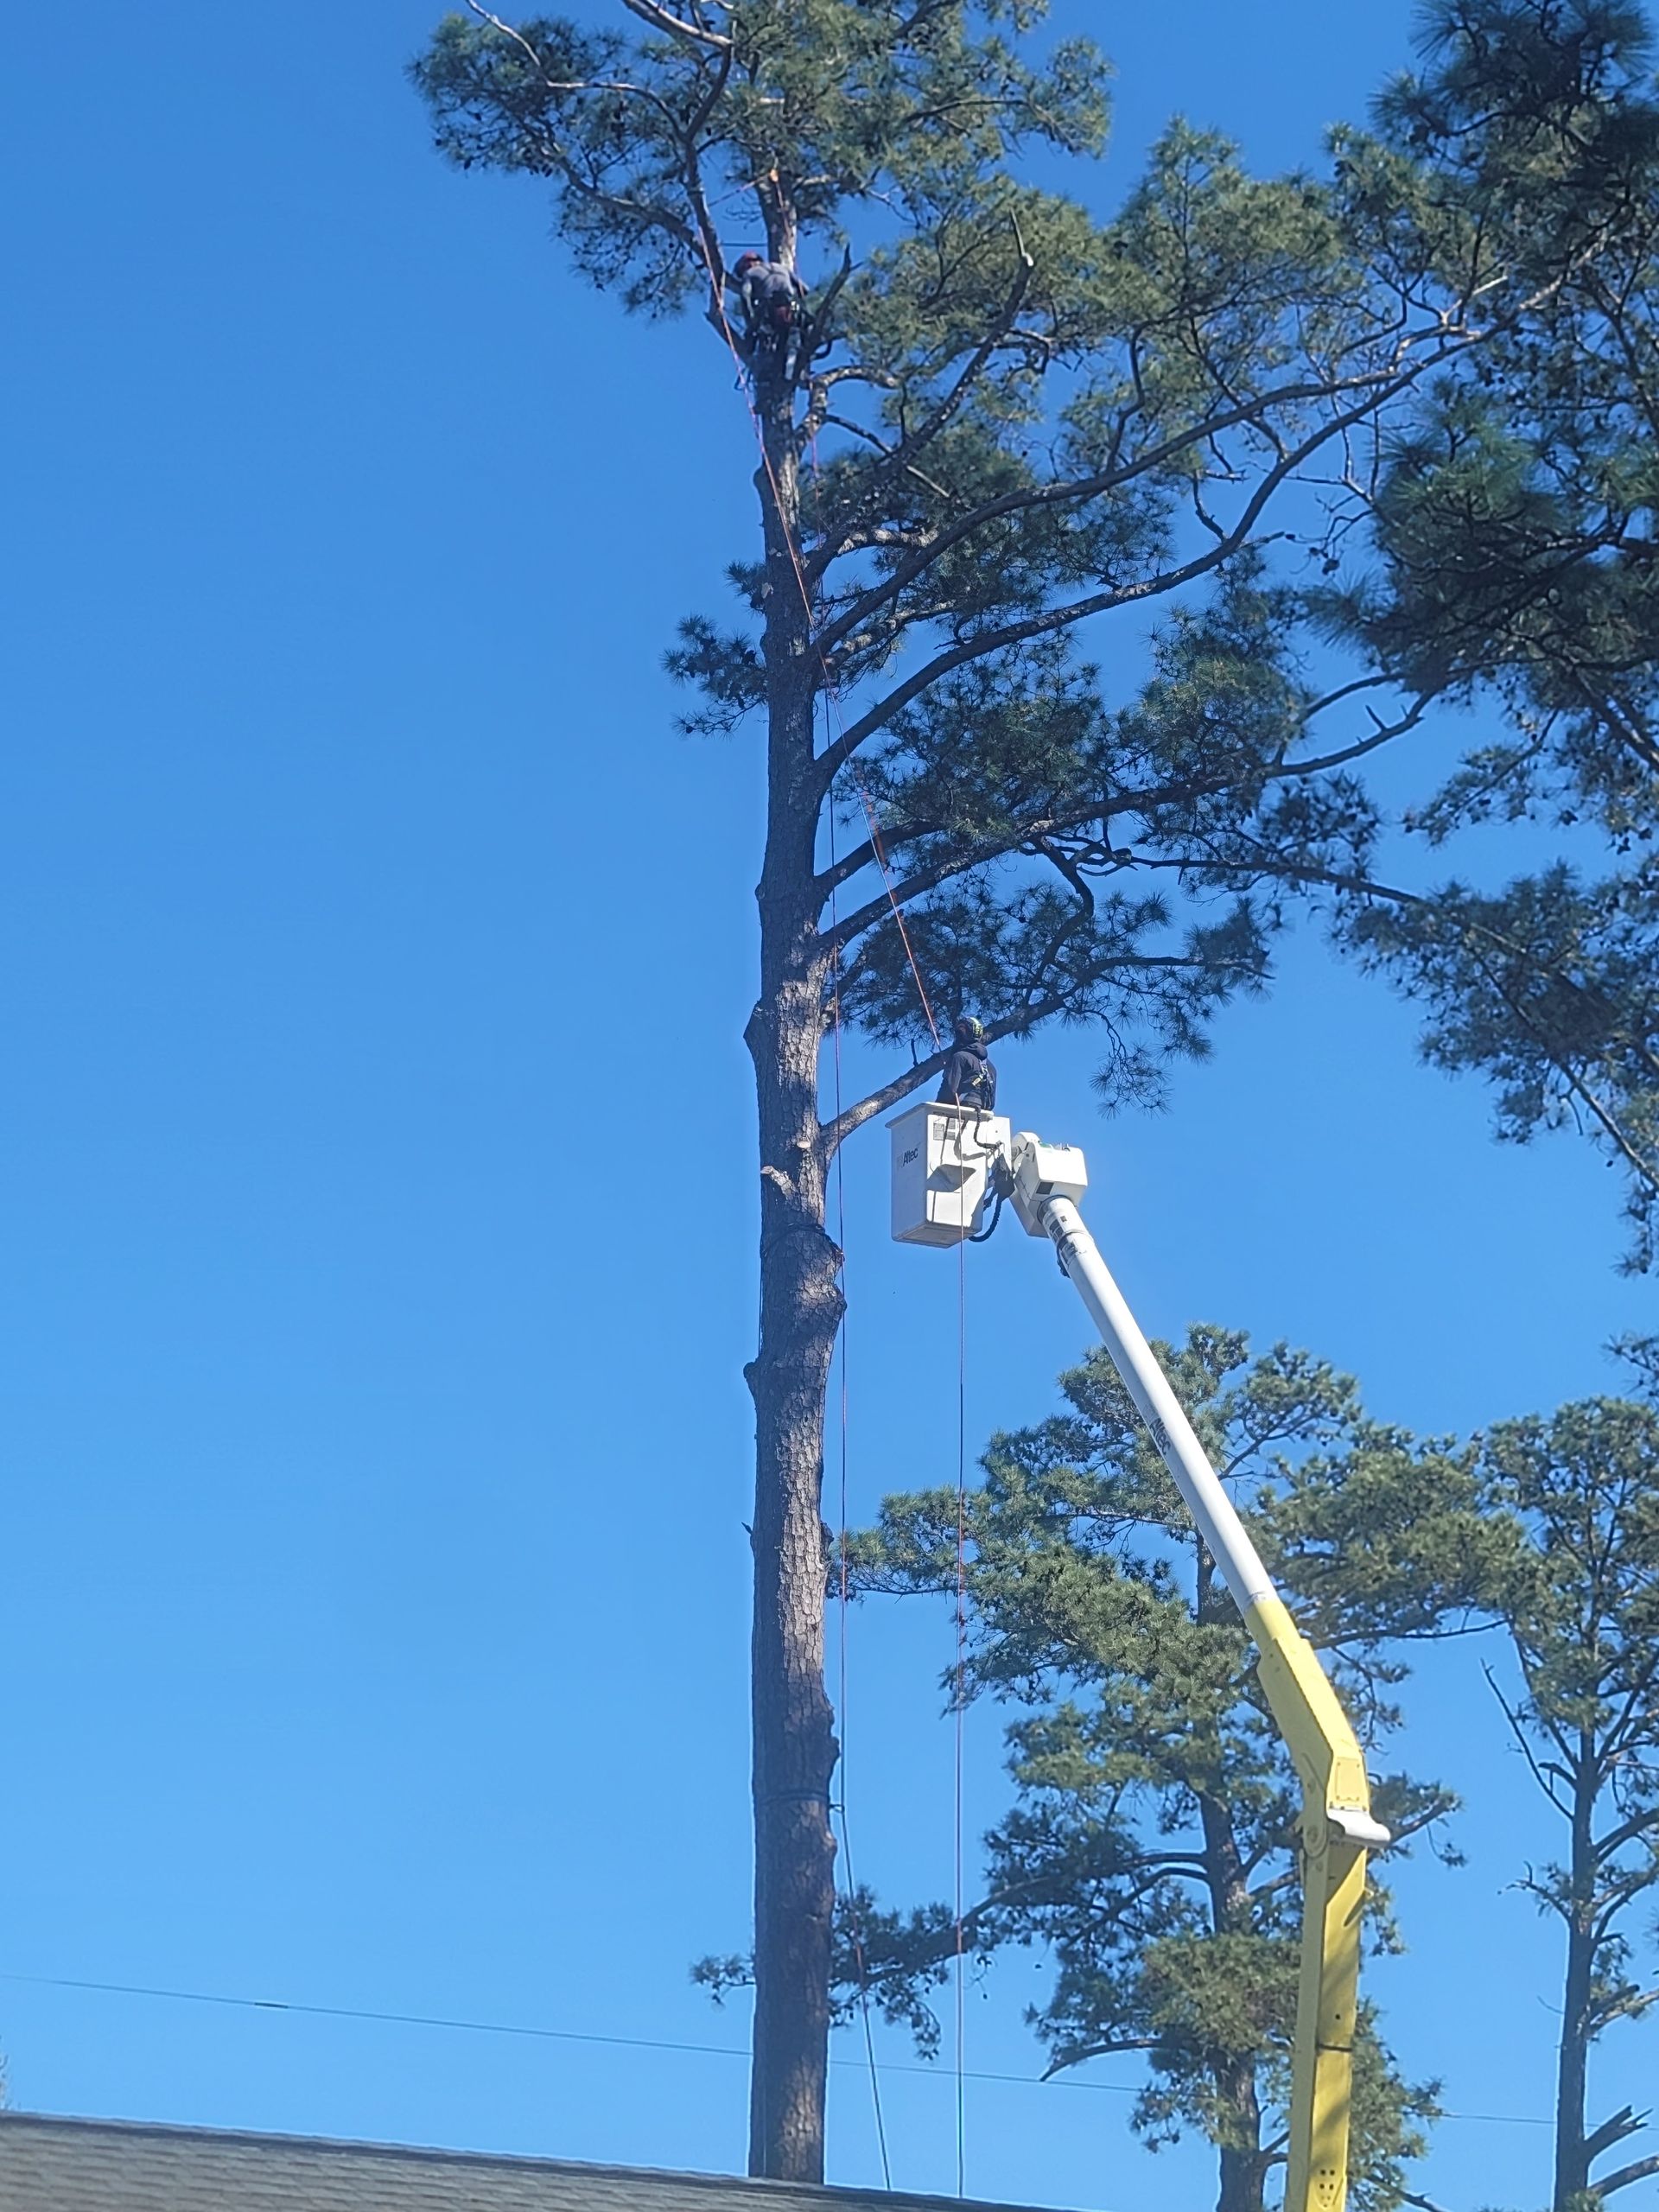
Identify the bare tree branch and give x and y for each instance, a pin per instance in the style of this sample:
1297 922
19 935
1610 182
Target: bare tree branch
1622 2176
1053 619
661 20
1123 2043
1378 385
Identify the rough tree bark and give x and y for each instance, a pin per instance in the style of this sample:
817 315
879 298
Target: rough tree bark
794 1747
1572 2148
1243 2165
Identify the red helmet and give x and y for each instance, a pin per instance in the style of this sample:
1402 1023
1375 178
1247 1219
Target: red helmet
745 261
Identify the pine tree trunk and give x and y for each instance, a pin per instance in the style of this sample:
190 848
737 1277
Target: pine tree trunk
1239 2150
794 1745
1244 2169
1572 2164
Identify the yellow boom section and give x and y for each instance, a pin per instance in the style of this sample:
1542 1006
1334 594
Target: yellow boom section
1336 1824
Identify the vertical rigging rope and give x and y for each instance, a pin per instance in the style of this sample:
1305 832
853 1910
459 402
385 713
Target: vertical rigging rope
960 1700
852 1917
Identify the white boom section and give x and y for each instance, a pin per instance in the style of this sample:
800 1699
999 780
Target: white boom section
1224 1533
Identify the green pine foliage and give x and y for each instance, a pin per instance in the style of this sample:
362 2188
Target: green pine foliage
1512 561
1548 989
1018 415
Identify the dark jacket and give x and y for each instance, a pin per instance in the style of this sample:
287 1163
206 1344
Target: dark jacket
969 1079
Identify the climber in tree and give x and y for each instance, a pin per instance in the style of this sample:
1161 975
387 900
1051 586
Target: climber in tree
770 296
969 1079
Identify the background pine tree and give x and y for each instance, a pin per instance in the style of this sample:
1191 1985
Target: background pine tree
1150 1853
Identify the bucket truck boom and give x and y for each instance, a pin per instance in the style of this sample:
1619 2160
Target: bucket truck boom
949 1162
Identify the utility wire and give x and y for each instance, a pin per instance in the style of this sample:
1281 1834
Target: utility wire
498 2027
582 2035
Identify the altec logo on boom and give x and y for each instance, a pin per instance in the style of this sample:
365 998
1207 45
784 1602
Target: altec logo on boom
949 1164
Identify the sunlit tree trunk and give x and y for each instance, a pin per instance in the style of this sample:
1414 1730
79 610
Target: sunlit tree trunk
794 1743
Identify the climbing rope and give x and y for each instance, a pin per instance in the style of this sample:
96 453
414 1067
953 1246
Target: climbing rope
842 1700
959 1702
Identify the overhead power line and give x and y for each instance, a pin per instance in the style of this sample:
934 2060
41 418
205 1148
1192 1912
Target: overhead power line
587 2036
505 2028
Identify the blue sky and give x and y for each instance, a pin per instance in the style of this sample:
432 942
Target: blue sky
374 1624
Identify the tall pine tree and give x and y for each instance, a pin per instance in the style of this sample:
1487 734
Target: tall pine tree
1583 1619
1003 418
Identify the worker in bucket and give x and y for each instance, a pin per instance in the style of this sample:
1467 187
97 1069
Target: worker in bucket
770 296
969 1079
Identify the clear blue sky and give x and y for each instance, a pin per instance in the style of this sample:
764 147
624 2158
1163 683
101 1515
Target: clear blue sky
373 1621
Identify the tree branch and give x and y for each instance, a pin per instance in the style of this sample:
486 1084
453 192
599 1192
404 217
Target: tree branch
1383 734
1527 1751
1061 617
1124 2044
660 20
948 407
649 214
1638 1824
1622 2176
1379 385
834 1134
1619 2128
1447 338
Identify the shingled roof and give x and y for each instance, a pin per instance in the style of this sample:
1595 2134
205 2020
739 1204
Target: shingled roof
48 2164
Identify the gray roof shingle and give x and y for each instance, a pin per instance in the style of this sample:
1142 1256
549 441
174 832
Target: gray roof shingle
51 2165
